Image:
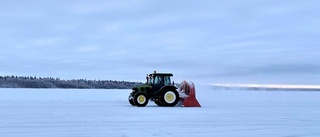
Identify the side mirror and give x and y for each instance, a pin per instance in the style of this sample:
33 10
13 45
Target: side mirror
172 83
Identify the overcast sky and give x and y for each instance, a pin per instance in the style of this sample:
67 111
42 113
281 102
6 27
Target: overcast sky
206 41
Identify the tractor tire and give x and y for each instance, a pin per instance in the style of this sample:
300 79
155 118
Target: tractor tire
130 99
169 98
140 99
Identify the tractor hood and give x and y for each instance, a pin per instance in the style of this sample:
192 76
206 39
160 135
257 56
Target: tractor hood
145 87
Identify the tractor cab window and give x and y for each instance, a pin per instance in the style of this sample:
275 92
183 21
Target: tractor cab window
167 80
158 80
150 81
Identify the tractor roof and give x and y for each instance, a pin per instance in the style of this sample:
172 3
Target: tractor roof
164 74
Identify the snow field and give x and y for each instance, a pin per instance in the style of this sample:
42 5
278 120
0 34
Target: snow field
103 113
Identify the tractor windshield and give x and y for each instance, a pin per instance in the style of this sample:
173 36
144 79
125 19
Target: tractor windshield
158 80
149 80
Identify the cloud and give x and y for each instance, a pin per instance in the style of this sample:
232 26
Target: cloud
48 41
205 41
91 48
97 7
25 15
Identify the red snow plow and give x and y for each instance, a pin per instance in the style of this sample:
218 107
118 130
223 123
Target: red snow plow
187 93
162 92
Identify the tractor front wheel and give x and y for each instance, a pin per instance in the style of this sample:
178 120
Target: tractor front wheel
140 99
130 98
169 98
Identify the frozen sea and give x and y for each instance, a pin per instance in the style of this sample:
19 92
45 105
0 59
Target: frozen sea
107 113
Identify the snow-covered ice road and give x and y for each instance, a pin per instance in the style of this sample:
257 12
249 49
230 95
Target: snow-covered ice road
106 113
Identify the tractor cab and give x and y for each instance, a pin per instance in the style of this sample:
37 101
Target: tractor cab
158 80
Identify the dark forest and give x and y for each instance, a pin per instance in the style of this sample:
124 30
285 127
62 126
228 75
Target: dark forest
49 82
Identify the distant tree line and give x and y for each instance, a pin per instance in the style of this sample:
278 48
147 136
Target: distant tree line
49 82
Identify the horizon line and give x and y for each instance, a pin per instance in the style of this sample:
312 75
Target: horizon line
287 86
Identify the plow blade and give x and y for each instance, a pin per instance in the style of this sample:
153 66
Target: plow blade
187 94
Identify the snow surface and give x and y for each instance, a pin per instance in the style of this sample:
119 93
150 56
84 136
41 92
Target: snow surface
107 113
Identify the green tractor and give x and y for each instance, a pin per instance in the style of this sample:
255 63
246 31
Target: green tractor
158 88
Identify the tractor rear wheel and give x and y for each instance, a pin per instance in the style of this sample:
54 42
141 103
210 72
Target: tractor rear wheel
169 98
140 99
